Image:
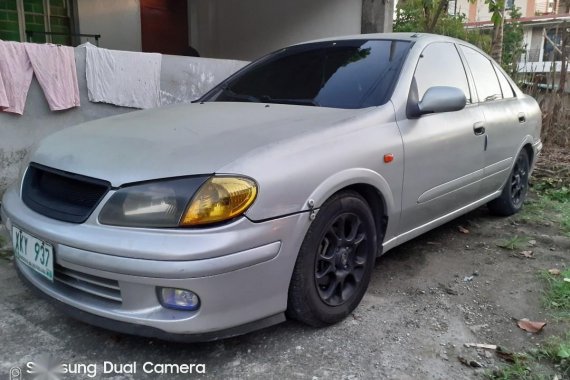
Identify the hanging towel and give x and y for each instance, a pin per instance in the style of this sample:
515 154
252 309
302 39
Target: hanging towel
3 97
55 70
16 72
123 78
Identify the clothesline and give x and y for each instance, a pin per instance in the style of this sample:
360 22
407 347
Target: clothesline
126 79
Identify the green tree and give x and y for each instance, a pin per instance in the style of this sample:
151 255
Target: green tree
497 10
513 46
431 16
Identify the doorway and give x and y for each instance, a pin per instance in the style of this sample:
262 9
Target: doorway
164 26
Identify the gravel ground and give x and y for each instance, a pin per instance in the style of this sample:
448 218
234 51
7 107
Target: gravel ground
426 300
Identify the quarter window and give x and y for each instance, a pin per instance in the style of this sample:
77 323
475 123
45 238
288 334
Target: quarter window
440 65
486 82
505 85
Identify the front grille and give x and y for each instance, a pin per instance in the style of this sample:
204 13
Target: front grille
61 195
94 285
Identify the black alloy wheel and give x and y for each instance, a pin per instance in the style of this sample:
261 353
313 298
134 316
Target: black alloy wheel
515 191
335 261
341 259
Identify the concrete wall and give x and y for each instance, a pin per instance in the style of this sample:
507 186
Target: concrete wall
118 22
248 29
244 29
179 84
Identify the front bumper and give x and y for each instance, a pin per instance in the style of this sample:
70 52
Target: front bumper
108 276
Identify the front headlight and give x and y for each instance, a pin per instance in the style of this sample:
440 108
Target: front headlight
182 202
220 199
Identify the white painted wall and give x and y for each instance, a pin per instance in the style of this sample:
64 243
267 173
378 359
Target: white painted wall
118 22
244 29
248 29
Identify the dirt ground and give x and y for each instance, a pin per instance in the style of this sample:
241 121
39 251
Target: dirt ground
426 300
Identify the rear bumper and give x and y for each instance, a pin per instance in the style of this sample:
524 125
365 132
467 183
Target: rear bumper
241 273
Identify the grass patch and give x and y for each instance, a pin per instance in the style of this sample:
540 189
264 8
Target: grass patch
517 370
552 358
544 363
550 204
557 294
557 352
513 244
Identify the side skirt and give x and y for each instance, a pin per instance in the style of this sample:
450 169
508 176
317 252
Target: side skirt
404 237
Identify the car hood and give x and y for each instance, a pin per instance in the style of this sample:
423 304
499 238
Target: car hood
178 140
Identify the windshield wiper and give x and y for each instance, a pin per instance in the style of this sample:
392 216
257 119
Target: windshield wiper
239 97
301 102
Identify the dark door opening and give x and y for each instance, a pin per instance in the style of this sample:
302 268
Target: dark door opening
164 26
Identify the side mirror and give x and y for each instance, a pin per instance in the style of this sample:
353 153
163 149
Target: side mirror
441 99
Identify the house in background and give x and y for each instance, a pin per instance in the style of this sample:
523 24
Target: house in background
544 23
244 29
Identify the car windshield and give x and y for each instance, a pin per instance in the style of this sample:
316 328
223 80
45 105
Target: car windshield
342 74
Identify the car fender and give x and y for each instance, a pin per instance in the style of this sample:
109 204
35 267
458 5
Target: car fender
348 177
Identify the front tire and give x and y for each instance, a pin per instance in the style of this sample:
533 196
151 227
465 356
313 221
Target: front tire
335 262
514 193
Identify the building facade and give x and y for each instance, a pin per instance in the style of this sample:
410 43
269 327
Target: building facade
544 23
244 29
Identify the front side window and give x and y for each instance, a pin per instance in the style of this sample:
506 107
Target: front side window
440 65
486 82
343 74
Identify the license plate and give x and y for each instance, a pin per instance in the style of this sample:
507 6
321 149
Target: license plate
35 253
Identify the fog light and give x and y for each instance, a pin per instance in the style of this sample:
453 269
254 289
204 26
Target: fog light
178 299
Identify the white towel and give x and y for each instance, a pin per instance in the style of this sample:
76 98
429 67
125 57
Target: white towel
3 97
56 72
123 78
17 73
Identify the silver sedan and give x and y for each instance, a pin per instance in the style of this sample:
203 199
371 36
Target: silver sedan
272 196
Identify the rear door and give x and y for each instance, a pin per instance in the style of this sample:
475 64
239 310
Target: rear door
443 151
503 115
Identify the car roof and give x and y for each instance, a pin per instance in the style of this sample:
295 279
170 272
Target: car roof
405 36
401 36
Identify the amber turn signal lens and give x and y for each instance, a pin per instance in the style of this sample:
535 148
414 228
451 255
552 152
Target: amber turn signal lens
220 199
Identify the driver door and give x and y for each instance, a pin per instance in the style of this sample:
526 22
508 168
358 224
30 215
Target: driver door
444 152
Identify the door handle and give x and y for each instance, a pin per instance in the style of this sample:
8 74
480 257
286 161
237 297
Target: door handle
522 117
479 128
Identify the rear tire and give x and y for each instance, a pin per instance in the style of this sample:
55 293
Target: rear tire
514 193
335 262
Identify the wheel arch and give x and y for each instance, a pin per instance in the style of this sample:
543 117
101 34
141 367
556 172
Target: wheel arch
528 147
377 204
370 185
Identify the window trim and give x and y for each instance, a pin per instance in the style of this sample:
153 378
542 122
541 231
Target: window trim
412 94
498 72
492 62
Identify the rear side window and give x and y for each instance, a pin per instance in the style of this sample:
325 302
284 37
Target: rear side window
505 85
486 82
440 65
